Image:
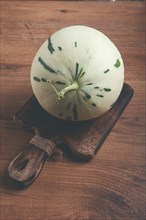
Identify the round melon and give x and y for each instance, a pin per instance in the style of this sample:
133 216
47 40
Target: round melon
77 74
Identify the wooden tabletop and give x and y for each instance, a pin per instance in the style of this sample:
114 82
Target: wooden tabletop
112 184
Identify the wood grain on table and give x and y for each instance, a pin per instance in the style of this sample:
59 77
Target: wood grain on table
110 186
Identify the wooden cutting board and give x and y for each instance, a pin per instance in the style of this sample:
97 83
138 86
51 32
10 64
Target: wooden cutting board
83 138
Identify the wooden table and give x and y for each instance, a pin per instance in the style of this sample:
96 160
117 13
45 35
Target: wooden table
110 186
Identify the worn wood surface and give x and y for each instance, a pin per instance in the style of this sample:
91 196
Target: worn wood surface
112 185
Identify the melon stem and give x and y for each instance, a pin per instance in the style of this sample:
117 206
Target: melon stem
61 94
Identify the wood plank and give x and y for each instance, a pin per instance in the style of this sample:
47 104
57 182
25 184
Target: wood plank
112 185
30 31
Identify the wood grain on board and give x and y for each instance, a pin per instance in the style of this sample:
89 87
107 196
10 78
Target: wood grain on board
112 184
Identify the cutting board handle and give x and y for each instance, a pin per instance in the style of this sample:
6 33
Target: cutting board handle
26 166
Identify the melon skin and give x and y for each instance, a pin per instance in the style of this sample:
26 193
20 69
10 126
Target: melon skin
82 55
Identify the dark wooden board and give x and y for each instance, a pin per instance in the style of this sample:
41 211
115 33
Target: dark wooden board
84 138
